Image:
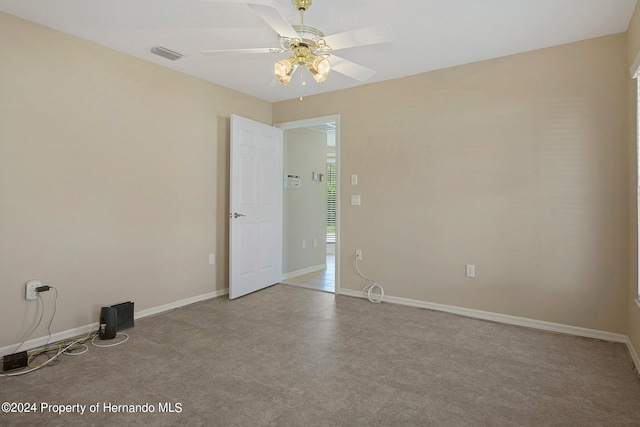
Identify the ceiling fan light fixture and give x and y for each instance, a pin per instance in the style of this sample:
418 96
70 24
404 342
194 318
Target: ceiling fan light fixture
309 48
319 78
320 68
284 80
321 65
283 68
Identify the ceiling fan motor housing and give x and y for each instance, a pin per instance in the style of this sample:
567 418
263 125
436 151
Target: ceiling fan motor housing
312 37
301 52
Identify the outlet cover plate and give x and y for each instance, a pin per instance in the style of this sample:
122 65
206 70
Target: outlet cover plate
471 270
30 289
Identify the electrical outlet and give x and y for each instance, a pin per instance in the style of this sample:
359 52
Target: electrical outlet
30 289
358 255
212 259
471 270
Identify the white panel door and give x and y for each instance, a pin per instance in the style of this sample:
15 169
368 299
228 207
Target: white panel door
255 218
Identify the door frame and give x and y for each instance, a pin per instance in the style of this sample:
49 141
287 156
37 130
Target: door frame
313 122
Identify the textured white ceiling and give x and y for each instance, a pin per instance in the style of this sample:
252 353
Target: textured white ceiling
431 34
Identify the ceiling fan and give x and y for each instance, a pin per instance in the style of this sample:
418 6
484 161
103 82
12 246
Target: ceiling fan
310 48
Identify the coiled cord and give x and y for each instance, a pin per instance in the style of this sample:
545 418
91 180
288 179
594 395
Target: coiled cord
375 298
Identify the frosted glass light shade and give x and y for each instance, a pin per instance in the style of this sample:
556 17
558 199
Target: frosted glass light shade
284 79
321 65
282 68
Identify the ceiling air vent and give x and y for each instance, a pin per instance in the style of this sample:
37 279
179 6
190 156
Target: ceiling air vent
166 53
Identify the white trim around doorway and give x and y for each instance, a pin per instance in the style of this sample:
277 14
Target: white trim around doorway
314 122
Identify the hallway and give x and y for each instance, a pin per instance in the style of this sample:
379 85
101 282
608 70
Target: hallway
322 280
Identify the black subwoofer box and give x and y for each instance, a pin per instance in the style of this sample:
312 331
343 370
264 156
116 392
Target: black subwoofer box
124 315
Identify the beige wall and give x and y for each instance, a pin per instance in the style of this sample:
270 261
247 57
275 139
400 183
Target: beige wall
633 320
305 208
113 178
517 165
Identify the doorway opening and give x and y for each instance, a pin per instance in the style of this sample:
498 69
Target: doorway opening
311 203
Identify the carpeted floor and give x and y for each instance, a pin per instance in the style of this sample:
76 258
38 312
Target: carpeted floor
287 356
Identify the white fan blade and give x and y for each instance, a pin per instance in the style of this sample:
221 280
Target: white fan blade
239 51
271 16
364 36
350 69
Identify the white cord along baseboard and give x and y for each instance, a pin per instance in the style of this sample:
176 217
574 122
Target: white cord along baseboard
372 295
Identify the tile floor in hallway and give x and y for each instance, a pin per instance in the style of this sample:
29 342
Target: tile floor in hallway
322 280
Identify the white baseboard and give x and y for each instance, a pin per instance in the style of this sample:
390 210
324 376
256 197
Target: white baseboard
38 342
478 314
177 304
82 330
304 271
634 355
503 318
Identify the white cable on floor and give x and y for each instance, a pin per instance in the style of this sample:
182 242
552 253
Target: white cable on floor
111 345
62 350
370 287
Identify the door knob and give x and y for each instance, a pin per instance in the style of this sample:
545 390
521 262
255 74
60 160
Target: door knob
236 215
